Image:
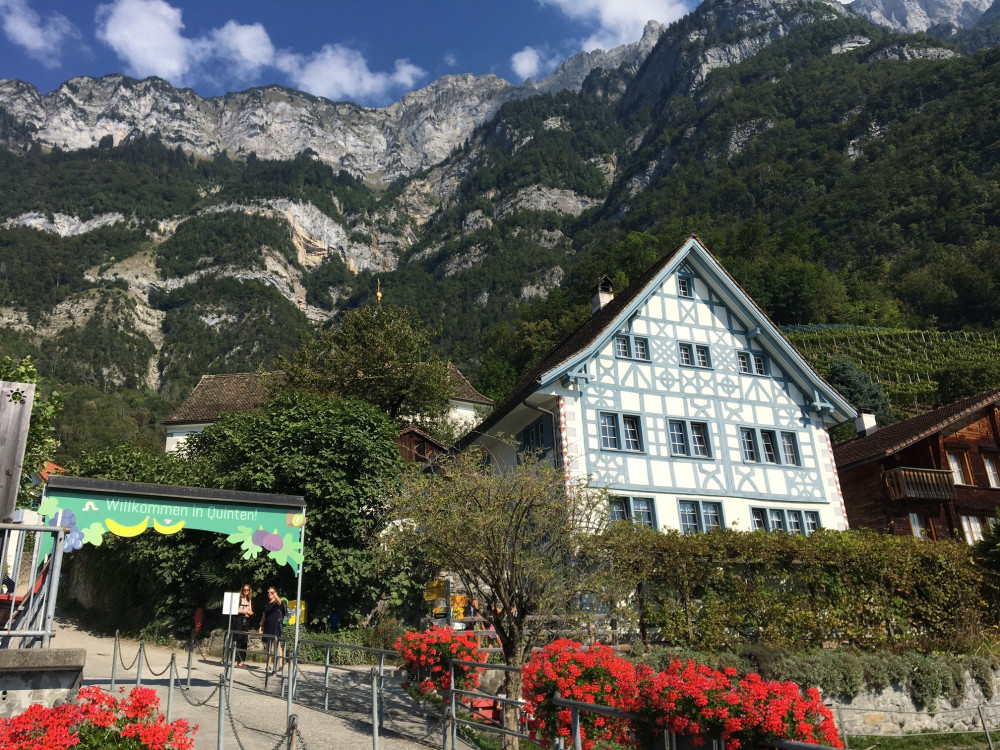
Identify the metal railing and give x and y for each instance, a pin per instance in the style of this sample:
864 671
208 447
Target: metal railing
920 484
30 584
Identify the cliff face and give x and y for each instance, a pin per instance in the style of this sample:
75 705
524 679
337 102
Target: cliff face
910 16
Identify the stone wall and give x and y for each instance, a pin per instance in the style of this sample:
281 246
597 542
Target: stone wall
43 676
891 711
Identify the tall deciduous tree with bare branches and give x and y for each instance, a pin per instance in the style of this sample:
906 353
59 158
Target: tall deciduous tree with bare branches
518 539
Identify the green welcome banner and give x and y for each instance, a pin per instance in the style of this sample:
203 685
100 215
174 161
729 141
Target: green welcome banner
261 524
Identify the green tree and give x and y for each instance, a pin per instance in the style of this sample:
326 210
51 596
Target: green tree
380 354
962 379
341 455
857 386
514 538
41 445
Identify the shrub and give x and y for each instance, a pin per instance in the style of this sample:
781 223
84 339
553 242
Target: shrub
98 720
426 656
981 669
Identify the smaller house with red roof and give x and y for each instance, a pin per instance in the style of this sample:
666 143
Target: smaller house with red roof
935 476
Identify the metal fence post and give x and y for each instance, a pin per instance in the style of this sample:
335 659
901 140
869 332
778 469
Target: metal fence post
381 682
230 670
577 740
142 653
444 723
222 710
843 728
454 706
170 686
374 709
989 740
293 727
326 682
114 663
190 657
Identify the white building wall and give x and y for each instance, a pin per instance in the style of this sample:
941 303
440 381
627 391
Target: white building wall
720 397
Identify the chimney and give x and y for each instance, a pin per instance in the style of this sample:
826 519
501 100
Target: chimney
865 424
602 294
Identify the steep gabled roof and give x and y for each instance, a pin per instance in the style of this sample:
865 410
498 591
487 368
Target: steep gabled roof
463 390
895 437
580 343
216 395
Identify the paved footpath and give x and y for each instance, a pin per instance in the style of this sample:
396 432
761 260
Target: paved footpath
257 716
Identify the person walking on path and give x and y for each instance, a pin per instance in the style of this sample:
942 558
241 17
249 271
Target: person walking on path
243 615
271 625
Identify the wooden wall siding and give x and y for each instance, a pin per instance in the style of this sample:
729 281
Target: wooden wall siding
866 494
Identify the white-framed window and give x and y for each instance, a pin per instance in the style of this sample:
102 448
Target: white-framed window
609 432
958 462
992 475
631 347
917 526
685 285
790 449
782 519
699 515
689 439
972 526
623 350
769 446
748 445
621 432
694 355
752 363
638 510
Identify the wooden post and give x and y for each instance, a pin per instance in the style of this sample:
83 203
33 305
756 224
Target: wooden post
16 400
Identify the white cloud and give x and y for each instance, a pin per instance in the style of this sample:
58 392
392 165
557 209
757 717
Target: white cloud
450 60
618 22
146 35
339 72
245 47
532 63
42 40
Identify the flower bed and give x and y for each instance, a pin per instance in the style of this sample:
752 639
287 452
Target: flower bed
593 674
686 698
426 655
97 720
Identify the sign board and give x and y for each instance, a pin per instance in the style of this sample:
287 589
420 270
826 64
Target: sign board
16 400
268 525
231 603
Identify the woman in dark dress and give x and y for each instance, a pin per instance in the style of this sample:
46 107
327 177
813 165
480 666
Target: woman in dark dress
270 624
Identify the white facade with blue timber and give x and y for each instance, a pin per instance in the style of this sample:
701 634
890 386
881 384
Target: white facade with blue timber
683 400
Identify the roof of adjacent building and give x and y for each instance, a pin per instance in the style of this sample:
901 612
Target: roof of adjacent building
592 330
216 395
895 437
463 390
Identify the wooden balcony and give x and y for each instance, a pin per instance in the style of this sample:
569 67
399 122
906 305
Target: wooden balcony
920 484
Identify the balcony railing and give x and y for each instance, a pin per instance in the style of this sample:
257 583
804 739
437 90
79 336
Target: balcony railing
920 484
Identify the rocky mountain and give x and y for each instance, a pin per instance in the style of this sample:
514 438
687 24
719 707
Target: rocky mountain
170 236
378 145
909 16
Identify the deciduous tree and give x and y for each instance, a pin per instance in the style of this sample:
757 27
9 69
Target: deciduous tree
515 538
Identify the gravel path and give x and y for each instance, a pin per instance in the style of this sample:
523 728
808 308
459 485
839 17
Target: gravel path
257 717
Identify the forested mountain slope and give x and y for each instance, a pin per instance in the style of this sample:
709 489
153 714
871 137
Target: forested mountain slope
843 174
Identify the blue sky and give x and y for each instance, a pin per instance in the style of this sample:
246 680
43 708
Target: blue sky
367 51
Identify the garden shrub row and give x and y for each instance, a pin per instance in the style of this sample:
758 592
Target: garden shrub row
721 591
